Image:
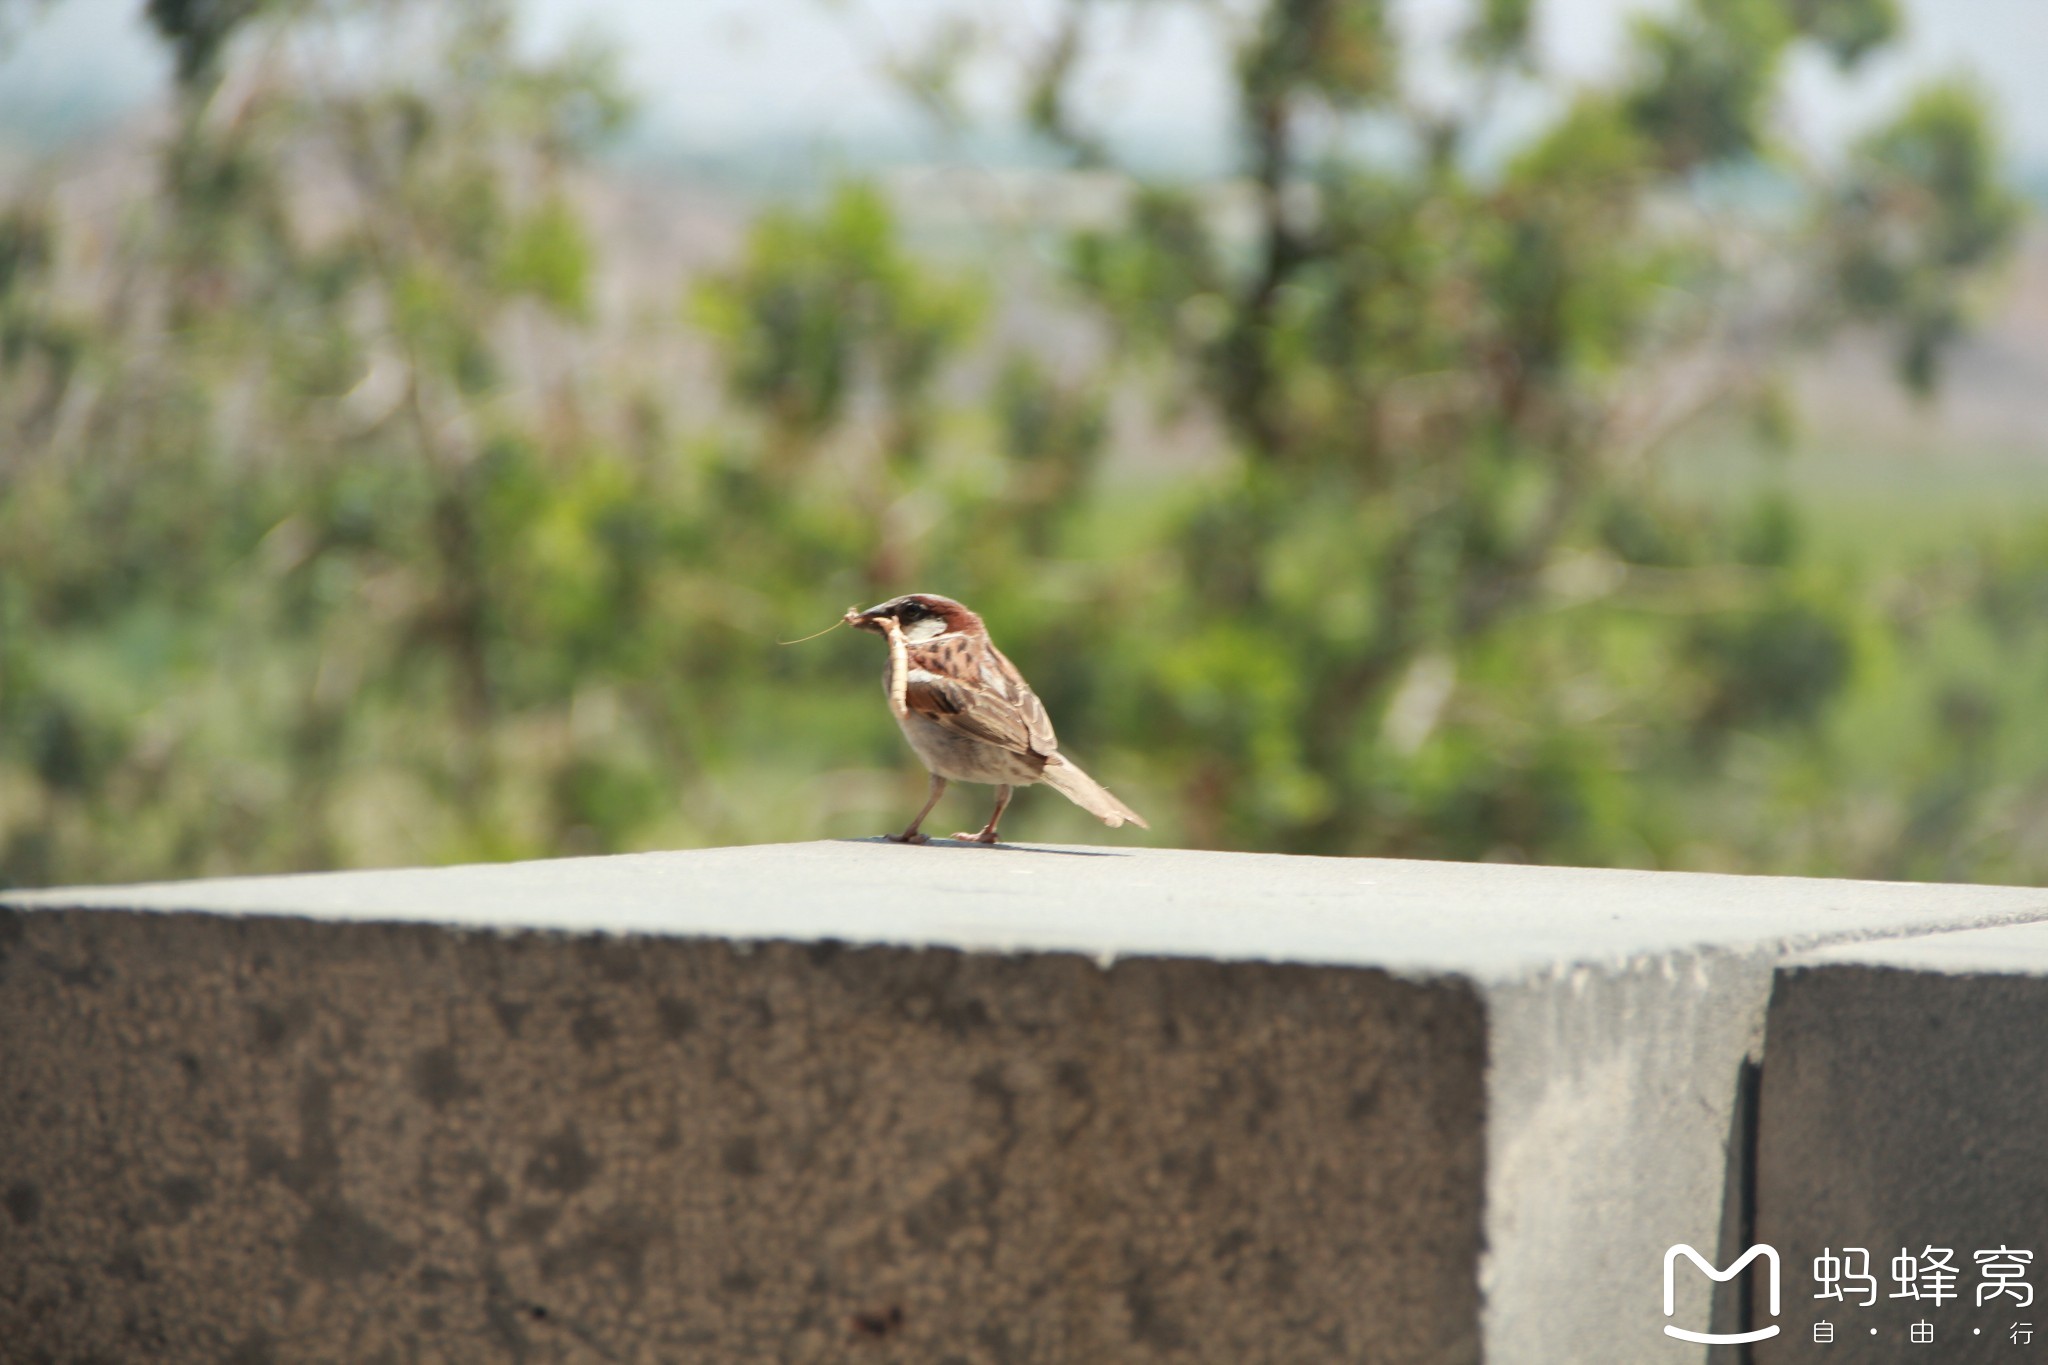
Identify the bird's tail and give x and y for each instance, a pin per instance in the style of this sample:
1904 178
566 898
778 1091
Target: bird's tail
1084 791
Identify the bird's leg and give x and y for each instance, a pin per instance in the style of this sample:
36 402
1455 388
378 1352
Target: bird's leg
899 679
911 836
988 832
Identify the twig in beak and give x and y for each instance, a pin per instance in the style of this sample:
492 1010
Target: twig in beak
834 626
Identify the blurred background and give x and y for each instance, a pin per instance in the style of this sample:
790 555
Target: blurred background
1571 431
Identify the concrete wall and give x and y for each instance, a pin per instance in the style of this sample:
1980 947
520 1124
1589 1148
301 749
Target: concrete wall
1905 1106
860 1102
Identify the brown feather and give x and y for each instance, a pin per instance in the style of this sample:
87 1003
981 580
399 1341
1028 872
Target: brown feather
956 693
957 681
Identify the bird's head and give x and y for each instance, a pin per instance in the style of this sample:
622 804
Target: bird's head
921 615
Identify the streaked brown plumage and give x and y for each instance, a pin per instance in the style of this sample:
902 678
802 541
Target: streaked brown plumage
969 714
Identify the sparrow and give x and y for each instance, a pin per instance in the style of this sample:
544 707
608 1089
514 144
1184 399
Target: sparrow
969 714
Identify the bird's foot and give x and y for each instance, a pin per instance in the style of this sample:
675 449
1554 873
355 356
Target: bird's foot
910 836
987 836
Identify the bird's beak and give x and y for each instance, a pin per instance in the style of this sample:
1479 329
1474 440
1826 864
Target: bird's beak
863 620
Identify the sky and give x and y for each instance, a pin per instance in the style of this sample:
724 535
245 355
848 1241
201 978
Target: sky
723 77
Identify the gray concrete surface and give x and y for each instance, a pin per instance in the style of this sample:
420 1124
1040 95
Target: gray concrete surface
858 1101
1905 1106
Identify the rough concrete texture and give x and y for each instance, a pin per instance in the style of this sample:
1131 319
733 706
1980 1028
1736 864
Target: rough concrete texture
1056 1105
264 1140
1905 1106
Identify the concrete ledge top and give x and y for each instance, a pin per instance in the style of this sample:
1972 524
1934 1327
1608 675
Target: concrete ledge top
1488 922
2007 950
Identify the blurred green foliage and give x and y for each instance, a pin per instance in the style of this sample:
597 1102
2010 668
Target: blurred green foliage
342 523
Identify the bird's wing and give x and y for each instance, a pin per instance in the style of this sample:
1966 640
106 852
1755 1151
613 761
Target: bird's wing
948 684
998 672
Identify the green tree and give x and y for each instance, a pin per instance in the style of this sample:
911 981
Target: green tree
1445 374
347 516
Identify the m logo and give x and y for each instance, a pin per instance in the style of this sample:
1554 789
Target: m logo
1719 1338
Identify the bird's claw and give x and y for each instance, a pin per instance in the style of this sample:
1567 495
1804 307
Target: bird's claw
909 838
987 836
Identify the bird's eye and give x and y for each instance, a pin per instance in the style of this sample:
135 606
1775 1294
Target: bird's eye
911 611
